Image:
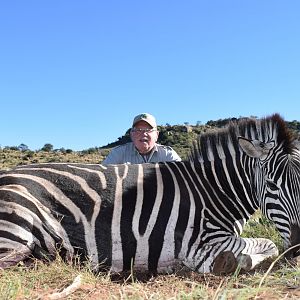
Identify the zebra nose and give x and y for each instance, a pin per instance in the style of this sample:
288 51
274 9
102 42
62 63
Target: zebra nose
293 252
295 242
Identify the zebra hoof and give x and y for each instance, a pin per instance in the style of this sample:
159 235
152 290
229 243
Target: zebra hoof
224 263
245 262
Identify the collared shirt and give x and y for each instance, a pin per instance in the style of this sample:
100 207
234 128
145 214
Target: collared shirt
127 153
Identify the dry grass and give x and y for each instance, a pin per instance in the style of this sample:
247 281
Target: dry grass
12 158
41 280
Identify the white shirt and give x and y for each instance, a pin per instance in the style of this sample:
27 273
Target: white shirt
127 153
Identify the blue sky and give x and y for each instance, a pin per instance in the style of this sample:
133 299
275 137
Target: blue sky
75 73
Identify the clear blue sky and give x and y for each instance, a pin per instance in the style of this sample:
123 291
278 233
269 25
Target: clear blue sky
75 73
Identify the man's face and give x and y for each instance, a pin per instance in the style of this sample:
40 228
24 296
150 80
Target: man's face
143 140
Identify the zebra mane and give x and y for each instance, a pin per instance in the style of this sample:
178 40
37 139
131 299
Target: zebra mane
219 143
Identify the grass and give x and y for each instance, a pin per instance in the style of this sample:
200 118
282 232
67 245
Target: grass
11 158
42 280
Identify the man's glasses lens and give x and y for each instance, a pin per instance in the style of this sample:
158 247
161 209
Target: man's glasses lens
142 130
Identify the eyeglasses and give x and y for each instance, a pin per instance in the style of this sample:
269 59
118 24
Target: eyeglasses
142 130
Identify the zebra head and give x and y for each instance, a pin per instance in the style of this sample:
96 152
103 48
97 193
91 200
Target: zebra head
276 172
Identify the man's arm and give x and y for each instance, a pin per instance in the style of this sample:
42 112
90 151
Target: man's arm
174 155
113 157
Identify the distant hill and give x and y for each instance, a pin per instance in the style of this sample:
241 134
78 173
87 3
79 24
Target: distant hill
179 137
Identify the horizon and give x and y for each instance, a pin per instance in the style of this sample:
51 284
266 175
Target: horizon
198 123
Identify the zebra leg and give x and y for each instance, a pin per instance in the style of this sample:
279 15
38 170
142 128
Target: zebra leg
257 250
225 262
227 254
216 257
11 257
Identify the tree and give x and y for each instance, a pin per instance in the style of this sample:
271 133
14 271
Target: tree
23 147
47 148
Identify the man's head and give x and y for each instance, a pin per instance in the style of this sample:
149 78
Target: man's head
144 132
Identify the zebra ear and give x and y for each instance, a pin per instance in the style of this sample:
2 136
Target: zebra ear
255 148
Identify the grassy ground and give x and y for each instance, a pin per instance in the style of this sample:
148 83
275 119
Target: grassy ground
12 158
42 281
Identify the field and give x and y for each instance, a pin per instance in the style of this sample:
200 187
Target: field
44 280
11 158
41 280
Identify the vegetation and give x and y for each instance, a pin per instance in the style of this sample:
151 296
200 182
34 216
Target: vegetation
10 157
42 279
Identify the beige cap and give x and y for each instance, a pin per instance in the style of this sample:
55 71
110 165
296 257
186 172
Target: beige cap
145 117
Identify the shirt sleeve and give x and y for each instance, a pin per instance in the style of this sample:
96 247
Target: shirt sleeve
166 153
114 157
173 155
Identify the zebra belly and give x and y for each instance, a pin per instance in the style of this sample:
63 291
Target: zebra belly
144 260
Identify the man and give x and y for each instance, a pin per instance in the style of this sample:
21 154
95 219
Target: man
143 148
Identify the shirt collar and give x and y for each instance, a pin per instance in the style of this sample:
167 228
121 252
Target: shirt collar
154 149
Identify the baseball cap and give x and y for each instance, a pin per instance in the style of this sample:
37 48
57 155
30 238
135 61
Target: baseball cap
145 117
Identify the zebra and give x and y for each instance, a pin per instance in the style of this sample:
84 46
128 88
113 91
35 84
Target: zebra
158 217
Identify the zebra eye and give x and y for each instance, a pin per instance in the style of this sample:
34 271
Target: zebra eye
273 186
